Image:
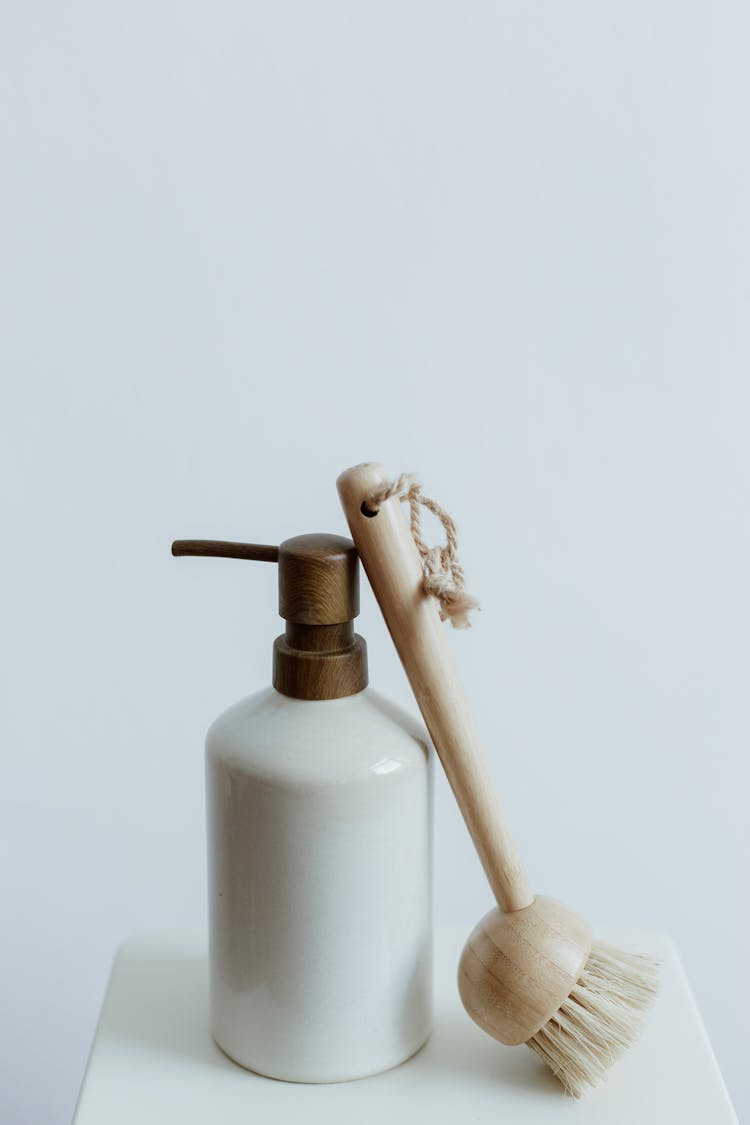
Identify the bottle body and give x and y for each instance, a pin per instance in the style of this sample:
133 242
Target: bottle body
319 863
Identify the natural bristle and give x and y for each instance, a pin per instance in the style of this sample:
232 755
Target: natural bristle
600 1019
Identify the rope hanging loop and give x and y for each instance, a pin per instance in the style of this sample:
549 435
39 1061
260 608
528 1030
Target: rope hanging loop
442 574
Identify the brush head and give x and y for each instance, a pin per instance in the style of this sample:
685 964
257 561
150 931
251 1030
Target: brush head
518 967
600 1019
532 976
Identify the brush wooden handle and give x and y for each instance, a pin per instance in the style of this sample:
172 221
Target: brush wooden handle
394 569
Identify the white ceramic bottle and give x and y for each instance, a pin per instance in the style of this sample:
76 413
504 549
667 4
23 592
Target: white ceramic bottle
319 804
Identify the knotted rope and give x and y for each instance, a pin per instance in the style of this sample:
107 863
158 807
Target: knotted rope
442 574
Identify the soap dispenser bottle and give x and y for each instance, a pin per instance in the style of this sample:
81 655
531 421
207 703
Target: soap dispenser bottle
319 815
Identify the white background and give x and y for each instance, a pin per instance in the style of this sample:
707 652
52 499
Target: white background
245 246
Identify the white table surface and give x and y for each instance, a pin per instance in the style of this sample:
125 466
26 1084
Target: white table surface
153 1061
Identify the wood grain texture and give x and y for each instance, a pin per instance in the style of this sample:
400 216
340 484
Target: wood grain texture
516 970
319 673
394 569
318 580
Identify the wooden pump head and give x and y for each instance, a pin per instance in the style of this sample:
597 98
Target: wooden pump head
319 656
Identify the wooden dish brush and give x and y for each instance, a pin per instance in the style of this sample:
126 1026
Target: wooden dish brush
529 972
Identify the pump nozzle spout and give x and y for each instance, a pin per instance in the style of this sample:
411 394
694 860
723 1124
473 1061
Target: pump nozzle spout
218 549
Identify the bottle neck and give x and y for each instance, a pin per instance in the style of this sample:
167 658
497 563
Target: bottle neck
319 661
